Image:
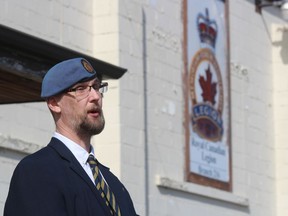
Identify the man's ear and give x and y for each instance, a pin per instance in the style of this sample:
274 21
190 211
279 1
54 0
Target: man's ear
53 104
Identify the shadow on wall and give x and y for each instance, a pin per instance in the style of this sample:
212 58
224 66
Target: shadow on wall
283 43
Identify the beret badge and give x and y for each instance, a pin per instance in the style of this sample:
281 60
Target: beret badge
87 66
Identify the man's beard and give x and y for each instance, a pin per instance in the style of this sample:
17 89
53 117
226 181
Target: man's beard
92 128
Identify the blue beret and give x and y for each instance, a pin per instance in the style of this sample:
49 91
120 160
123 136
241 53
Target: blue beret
65 74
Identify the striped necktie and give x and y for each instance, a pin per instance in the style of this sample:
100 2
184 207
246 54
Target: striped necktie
103 188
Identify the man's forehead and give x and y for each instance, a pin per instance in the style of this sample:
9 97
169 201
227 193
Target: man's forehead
95 80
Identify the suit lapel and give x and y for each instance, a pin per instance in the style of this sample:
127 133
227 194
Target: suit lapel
75 166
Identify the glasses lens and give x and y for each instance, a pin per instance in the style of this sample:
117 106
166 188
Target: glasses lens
82 92
103 87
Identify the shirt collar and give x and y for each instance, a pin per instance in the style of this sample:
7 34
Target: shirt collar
80 153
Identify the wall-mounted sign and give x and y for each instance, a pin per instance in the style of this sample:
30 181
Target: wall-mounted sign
208 102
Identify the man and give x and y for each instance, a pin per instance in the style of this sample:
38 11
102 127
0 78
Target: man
64 178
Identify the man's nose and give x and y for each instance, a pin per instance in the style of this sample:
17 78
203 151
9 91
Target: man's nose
95 94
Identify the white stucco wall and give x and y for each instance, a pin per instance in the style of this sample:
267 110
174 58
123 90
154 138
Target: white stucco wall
280 87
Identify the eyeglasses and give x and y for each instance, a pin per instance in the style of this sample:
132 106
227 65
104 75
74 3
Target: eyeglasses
82 92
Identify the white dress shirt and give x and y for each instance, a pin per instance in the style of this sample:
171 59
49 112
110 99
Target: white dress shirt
80 153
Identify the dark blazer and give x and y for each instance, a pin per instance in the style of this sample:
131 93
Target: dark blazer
51 182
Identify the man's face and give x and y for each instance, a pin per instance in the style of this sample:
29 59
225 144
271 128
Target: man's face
82 112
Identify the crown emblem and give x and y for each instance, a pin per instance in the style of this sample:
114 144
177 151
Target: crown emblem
207 29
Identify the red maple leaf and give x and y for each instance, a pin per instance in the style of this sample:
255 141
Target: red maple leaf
209 89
